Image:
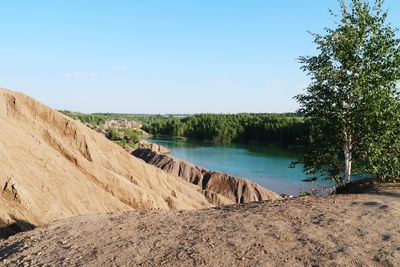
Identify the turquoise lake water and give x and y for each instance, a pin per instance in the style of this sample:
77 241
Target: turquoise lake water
265 165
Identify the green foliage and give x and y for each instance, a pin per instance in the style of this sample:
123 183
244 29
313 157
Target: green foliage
132 135
113 134
313 191
352 104
92 119
98 119
122 142
304 194
281 129
126 137
278 129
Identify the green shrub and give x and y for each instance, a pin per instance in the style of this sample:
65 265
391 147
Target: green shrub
133 135
113 134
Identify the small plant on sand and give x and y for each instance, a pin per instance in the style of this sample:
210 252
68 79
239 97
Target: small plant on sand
314 190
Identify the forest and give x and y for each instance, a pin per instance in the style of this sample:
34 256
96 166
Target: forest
288 129
279 129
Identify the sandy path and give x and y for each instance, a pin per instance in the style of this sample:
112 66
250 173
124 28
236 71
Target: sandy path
344 230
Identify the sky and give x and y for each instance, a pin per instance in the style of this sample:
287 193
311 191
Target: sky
162 57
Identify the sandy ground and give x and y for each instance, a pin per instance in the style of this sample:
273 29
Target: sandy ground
342 230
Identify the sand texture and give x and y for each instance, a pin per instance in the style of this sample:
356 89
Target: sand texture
342 230
219 188
53 167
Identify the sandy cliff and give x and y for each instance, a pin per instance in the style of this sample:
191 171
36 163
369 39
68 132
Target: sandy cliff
52 167
219 188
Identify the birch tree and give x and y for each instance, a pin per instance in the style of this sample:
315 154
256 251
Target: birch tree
352 102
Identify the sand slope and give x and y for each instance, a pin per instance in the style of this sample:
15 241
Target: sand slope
344 230
52 167
219 188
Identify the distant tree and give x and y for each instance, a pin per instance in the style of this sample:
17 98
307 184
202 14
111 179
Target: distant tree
352 103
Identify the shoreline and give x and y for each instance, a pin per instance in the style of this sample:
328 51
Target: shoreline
245 160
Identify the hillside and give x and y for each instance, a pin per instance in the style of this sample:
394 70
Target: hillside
222 188
52 167
341 230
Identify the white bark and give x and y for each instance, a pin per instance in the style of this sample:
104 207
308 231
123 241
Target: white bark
347 158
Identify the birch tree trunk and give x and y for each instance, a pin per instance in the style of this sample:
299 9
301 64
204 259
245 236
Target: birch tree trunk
347 158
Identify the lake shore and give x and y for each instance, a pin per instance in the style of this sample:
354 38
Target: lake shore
266 165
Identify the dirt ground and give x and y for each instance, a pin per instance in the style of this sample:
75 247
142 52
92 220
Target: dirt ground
341 230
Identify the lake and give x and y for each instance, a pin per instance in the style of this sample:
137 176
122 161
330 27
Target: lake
266 165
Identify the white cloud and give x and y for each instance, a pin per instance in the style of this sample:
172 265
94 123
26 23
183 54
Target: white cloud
121 79
73 74
91 74
121 68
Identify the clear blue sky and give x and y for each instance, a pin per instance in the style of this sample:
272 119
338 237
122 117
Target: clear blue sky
148 56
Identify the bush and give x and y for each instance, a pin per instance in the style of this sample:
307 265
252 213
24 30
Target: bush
113 134
133 135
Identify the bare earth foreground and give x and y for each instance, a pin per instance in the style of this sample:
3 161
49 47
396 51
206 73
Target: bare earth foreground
342 230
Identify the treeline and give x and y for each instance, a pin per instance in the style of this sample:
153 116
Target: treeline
286 129
279 129
92 119
98 119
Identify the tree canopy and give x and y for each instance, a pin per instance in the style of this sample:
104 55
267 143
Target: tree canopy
287 129
279 129
352 102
